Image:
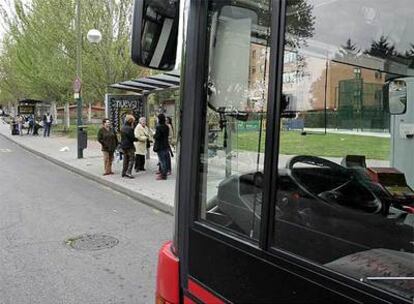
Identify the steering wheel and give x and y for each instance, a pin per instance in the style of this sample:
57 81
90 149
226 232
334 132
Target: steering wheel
319 162
352 192
315 161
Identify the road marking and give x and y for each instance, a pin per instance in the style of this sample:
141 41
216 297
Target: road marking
5 150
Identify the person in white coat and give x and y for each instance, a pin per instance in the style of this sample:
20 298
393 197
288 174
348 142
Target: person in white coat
143 135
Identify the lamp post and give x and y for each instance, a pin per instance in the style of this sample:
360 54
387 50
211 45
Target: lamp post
77 82
93 36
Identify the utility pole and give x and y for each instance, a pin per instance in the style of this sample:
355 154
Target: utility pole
94 36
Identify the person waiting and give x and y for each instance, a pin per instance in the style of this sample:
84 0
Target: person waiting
30 121
47 124
20 121
36 127
109 142
143 135
161 146
127 146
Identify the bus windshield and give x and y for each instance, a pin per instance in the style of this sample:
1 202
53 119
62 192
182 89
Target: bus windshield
345 182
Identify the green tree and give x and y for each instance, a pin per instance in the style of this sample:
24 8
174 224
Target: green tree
38 58
409 55
350 48
300 23
382 48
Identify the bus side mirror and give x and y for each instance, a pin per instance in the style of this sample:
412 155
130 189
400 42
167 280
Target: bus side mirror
155 33
395 96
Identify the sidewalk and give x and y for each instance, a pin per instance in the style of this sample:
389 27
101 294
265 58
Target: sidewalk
144 188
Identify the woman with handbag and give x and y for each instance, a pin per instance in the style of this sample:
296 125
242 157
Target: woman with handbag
143 135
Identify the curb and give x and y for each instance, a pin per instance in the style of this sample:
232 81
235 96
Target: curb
132 194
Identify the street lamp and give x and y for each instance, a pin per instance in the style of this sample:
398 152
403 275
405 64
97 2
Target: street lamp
93 36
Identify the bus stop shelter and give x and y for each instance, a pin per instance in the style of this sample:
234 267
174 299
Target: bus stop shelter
33 107
117 106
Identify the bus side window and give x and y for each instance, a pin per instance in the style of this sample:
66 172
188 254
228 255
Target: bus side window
346 175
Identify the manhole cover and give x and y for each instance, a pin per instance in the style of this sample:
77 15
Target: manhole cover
92 242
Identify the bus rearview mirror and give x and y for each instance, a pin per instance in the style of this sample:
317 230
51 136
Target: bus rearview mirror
395 93
155 33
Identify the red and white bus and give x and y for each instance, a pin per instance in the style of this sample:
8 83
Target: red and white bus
296 147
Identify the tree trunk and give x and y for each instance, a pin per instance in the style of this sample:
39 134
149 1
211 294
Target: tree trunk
66 117
54 112
90 113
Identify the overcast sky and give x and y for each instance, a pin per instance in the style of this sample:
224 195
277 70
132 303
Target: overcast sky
364 21
8 7
4 4
338 20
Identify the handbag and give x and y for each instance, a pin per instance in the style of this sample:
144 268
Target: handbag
155 148
148 143
171 152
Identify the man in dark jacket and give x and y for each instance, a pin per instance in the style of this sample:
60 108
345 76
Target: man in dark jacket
161 146
127 146
109 141
47 124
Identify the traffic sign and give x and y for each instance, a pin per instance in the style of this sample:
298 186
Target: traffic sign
77 85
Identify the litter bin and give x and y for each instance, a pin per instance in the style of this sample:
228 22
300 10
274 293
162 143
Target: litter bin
14 128
82 137
82 140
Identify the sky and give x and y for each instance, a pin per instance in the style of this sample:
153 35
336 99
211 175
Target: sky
364 21
338 20
6 5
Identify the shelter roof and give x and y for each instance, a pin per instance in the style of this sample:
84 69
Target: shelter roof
150 84
32 101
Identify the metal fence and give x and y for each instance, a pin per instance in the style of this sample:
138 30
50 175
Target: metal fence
361 106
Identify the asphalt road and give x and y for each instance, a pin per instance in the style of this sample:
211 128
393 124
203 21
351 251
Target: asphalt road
44 208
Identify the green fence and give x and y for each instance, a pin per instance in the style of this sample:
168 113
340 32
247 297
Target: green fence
361 106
